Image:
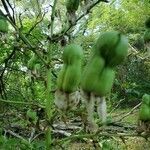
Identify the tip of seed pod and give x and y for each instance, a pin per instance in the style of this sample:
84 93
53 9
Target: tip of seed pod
147 23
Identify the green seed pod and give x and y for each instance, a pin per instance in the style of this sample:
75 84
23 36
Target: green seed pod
61 76
104 84
112 46
146 99
119 53
70 74
147 23
3 24
72 53
91 73
72 77
144 113
72 5
147 36
106 42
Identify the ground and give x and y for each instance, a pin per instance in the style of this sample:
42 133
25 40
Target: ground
18 132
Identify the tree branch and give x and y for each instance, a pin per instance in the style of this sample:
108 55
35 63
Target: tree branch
130 112
32 28
23 103
7 10
26 41
81 137
7 60
12 10
57 37
52 17
16 135
116 106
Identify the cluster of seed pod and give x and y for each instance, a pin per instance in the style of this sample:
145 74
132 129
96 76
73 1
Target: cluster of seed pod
97 78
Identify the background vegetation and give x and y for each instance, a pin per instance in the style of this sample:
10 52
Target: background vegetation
39 27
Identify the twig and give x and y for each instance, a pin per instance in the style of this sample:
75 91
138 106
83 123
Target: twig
36 136
116 106
89 8
20 20
6 61
23 103
52 17
79 18
32 28
32 135
16 135
36 38
75 137
12 10
62 126
129 113
7 10
65 133
136 53
26 41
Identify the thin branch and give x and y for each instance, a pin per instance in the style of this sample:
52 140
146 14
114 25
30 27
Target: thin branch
62 132
79 18
80 137
23 103
36 38
129 113
7 10
32 28
2 89
32 135
52 17
36 136
6 61
26 41
39 8
16 135
12 10
89 8
20 20
116 106
15 69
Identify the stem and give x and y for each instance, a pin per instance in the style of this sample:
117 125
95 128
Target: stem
80 137
48 94
52 17
23 103
130 112
49 102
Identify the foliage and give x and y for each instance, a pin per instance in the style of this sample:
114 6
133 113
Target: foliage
37 28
